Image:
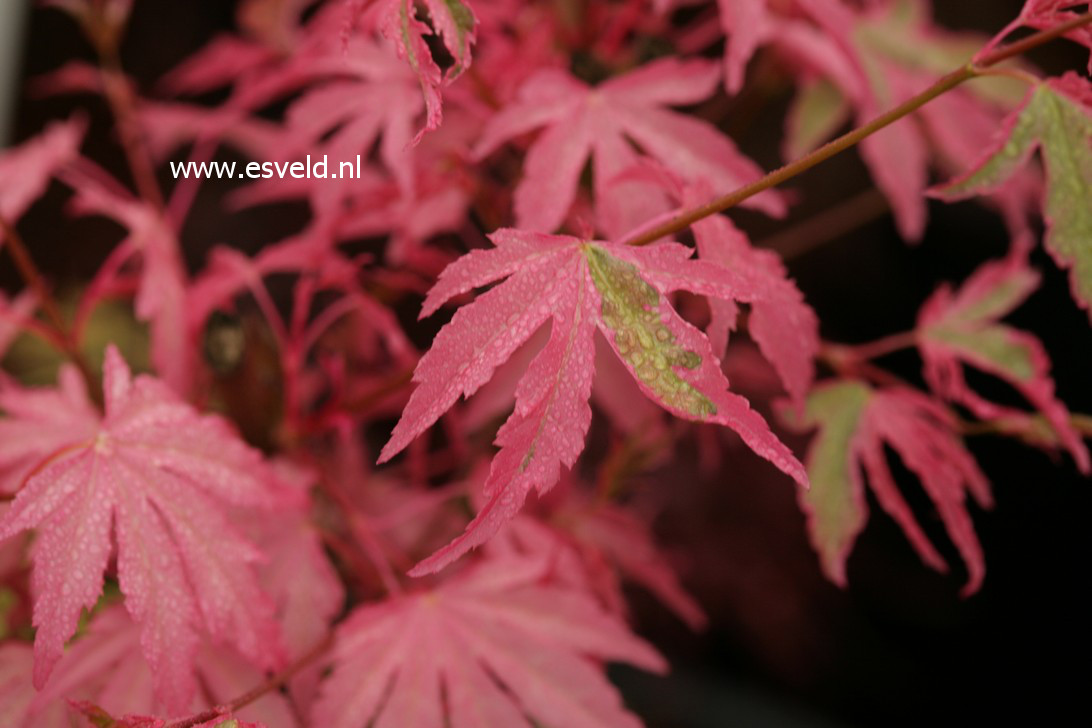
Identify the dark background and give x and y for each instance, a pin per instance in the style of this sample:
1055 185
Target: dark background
785 647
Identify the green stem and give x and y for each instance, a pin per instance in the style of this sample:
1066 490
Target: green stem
945 84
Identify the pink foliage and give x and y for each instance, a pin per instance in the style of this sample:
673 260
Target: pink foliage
211 542
26 171
922 433
585 122
554 278
156 474
488 646
958 328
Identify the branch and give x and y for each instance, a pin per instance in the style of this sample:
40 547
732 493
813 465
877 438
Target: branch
273 683
119 97
61 333
945 84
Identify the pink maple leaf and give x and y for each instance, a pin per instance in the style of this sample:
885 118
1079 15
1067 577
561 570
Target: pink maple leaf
105 667
1044 15
579 286
25 171
874 59
161 294
600 123
957 328
158 475
744 23
487 648
298 577
1055 120
856 424
17 693
15 315
42 423
591 547
371 97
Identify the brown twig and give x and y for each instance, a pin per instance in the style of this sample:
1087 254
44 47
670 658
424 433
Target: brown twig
273 683
943 85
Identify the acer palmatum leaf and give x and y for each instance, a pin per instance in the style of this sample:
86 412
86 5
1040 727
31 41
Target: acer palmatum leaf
17 693
855 424
1046 14
1056 119
40 423
958 328
876 58
579 286
15 314
158 475
785 328
490 647
454 23
160 298
105 666
746 26
298 577
25 171
744 23
594 547
598 123
99 718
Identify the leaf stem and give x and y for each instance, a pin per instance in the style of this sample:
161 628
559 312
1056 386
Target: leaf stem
273 683
874 349
850 139
30 274
119 97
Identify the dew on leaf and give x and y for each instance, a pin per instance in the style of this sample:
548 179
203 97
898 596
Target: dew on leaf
631 309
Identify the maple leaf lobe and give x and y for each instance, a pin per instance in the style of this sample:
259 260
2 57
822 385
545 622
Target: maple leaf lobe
631 310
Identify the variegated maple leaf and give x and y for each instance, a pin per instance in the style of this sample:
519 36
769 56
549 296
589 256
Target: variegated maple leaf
157 475
493 646
600 123
785 328
453 23
579 286
873 59
855 424
1056 119
957 328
